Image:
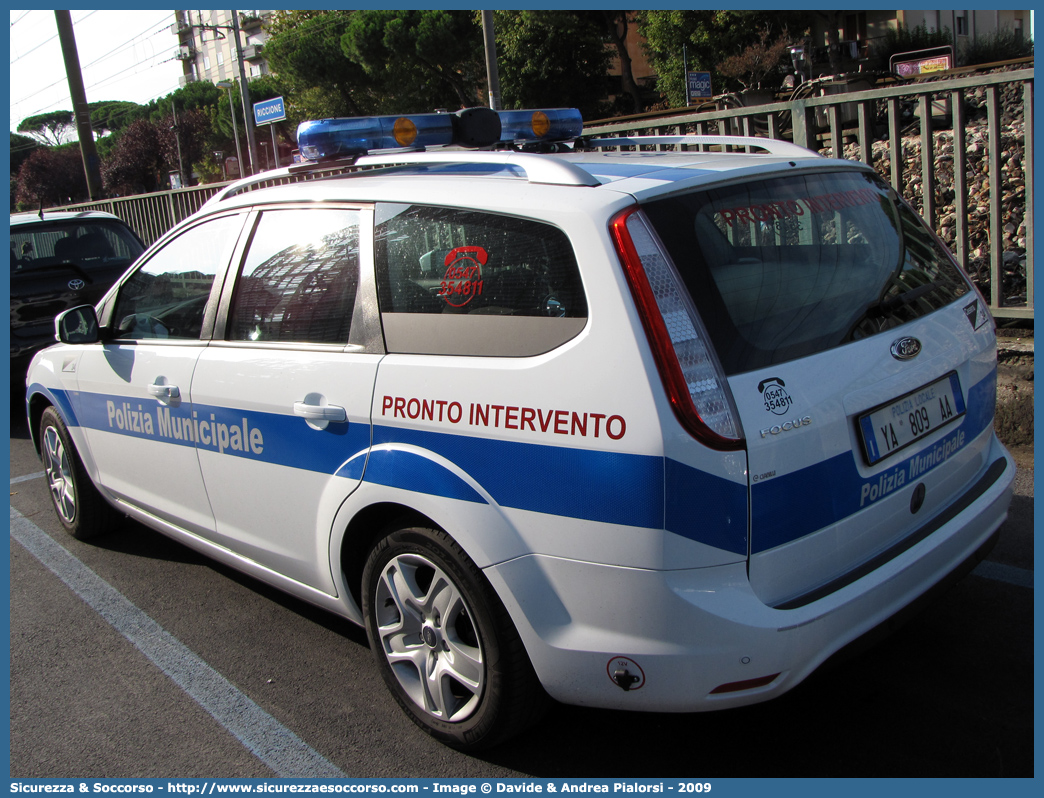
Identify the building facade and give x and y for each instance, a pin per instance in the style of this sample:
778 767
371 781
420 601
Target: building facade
207 46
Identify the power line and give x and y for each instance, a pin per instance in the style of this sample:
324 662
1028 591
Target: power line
98 83
103 81
123 46
49 39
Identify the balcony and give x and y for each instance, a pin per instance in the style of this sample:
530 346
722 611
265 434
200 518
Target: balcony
185 53
253 52
250 20
183 25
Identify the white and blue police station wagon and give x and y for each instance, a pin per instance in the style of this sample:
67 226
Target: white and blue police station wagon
645 430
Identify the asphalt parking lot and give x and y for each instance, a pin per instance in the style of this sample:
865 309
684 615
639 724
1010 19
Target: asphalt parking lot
136 657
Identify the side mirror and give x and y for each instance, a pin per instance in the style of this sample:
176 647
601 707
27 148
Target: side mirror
77 325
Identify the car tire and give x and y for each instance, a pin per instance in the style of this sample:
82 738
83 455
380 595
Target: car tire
444 643
80 508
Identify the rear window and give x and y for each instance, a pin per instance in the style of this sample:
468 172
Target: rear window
88 244
785 268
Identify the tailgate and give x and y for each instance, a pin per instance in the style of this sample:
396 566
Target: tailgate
853 449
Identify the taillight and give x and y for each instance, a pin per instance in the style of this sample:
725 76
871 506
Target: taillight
690 372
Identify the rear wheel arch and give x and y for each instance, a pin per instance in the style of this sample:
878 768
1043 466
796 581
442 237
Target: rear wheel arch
364 530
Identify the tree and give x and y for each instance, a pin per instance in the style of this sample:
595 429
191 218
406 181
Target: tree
304 50
617 24
136 163
418 60
707 38
193 136
758 63
111 116
52 176
553 59
21 148
50 128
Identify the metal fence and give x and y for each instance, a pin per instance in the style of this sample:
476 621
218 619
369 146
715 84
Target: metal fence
879 126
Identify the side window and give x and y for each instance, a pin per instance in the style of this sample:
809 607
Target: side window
167 296
452 281
299 278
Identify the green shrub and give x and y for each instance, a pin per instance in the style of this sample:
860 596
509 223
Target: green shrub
905 40
1001 45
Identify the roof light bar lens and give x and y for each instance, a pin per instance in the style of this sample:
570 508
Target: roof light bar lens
326 139
546 124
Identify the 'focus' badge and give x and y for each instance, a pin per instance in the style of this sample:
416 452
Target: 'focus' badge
906 348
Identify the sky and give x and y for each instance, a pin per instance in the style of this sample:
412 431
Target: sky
124 55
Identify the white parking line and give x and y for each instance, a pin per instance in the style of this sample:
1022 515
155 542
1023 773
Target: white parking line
999 572
28 477
264 736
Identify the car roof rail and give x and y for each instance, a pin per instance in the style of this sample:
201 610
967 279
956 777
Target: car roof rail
772 146
247 183
538 168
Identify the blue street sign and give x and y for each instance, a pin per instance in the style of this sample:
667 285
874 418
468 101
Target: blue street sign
269 111
700 85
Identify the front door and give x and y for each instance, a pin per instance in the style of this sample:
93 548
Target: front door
287 391
134 390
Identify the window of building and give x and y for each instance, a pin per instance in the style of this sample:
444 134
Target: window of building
961 23
299 279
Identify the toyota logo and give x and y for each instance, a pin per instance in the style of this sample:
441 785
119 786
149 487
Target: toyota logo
906 348
76 285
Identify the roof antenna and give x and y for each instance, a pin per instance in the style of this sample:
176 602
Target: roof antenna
41 209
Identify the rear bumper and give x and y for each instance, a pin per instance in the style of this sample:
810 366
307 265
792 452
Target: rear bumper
682 634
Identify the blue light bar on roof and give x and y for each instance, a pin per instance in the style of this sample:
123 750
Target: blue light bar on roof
328 139
547 124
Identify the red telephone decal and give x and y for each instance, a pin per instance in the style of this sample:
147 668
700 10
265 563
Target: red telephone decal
462 281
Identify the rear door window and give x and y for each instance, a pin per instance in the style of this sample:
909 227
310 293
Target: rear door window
454 281
785 268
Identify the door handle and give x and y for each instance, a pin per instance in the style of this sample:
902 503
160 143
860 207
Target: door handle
320 412
164 391
319 416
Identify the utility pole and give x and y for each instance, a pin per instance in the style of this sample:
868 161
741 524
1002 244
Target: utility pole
81 113
244 93
492 76
177 140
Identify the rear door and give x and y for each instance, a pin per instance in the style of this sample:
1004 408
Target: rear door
861 363
286 388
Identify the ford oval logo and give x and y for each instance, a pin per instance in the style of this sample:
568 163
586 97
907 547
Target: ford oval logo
906 348
76 285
